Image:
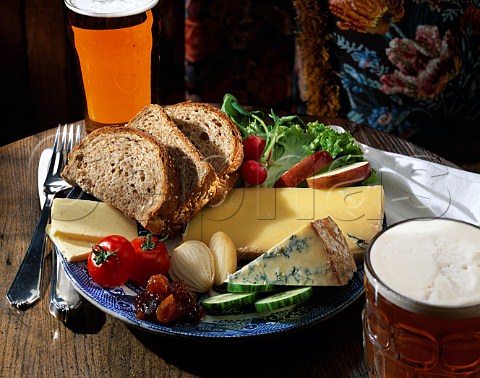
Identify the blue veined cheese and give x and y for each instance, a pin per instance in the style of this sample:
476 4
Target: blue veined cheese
317 254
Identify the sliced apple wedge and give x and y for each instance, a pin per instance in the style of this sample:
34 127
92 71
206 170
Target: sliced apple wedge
339 177
303 169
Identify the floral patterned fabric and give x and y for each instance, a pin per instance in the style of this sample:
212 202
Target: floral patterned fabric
412 68
407 67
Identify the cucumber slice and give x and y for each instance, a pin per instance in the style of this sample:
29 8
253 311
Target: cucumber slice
220 289
227 301
250 288
283 299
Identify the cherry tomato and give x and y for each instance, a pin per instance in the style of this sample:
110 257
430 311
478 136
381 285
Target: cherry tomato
253 147
253 172
151 257
110 261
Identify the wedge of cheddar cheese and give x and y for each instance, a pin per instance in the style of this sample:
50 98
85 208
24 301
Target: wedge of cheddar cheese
317 254
77 224
258 218
72 250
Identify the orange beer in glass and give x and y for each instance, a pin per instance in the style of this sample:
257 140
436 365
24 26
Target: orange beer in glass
422 309
116 45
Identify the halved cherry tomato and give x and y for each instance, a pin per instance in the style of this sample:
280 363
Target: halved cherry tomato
110 261
151 257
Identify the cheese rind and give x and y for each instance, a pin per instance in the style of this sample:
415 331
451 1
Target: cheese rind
258 218
315 255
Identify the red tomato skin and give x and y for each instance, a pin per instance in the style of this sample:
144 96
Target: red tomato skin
149 262
116 270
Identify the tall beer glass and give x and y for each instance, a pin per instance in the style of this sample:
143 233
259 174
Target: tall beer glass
116 45
422 310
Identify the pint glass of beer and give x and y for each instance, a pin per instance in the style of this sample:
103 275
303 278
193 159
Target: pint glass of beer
422 310
116 45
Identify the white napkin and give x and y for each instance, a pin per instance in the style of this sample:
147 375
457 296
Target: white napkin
418 188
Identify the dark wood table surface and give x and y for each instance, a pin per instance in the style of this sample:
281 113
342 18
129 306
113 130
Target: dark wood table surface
94 344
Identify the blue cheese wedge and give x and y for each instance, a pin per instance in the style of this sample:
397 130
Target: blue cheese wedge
317 254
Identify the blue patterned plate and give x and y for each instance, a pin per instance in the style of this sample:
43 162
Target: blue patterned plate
118 302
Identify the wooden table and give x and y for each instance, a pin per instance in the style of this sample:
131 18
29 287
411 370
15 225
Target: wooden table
94 344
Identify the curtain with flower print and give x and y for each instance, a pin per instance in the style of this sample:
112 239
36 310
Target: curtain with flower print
406 67
410 68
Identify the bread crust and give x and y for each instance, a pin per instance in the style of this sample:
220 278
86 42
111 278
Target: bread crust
114 165
341 260
216 136
198 178
154 142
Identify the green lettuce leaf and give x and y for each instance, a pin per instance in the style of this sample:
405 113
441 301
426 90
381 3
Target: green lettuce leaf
289 139
341 145
290 148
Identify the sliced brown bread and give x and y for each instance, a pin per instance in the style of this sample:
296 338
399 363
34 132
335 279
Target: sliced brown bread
130 170
215 136
198 178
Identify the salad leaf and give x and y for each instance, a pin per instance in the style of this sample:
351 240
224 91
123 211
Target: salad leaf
289 139
289 149
246 121
341 145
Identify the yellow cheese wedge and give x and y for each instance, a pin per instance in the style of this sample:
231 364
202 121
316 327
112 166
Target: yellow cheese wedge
258 218
72 250
76 225
89 221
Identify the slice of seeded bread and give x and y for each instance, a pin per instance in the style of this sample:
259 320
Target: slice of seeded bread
215 136
130 170
198 179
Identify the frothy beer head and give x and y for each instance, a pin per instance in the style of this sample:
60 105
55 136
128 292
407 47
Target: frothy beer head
109 8
427 264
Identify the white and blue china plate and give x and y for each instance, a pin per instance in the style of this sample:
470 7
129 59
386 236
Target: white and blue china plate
118 302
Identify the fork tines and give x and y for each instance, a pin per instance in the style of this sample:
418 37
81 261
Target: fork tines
67 143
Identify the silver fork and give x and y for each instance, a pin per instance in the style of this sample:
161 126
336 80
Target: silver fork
64 299
26 286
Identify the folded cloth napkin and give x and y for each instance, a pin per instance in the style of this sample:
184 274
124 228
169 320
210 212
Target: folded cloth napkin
418 188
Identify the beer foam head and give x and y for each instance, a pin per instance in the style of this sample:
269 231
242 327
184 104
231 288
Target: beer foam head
110 8
430 261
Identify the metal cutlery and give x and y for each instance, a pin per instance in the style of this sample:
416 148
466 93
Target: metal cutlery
64 299
26 286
